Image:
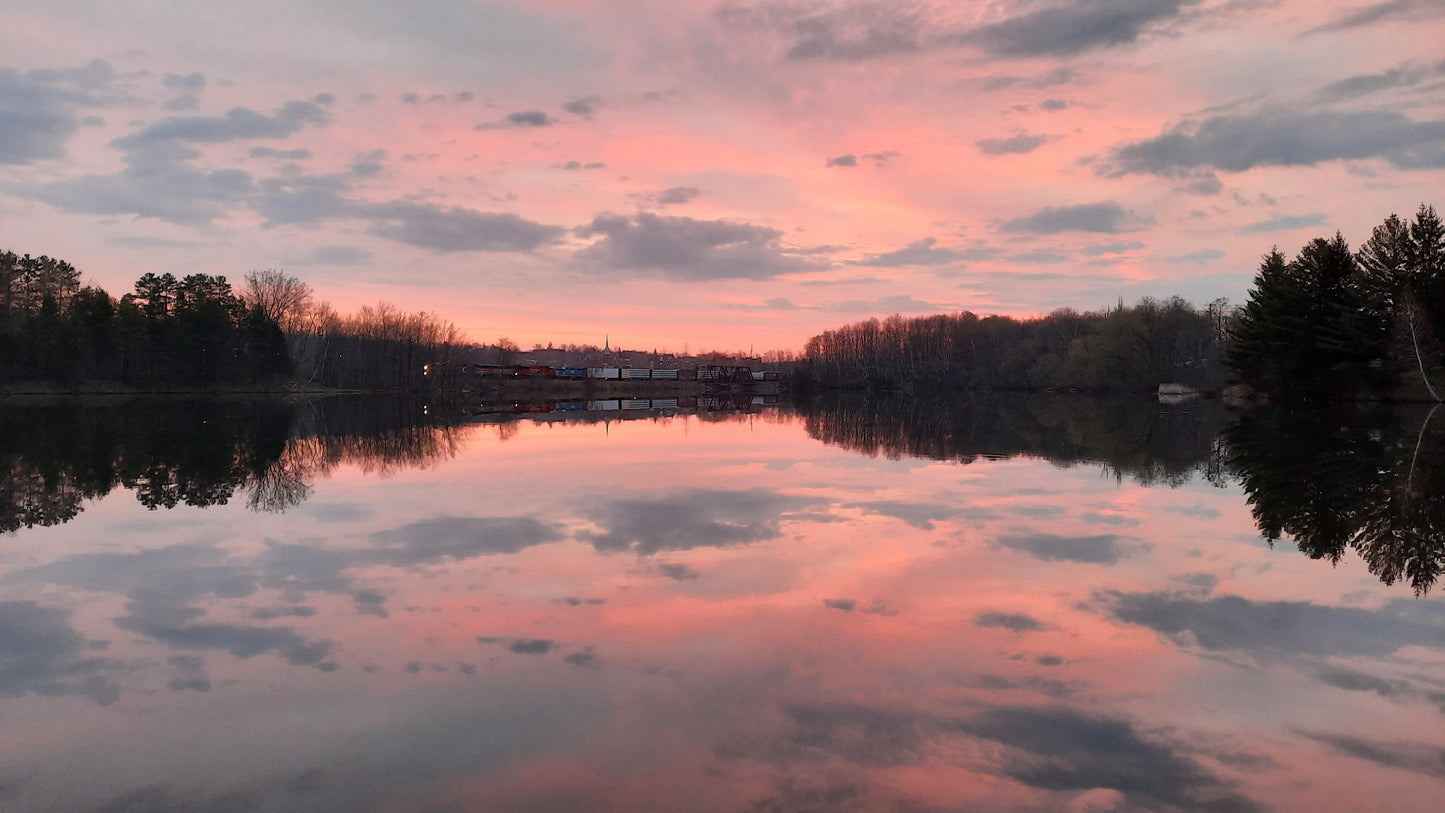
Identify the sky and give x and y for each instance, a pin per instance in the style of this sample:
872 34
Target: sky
694 176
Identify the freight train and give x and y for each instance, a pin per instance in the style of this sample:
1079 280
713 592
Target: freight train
715 373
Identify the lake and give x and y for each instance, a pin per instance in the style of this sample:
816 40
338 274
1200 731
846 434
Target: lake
1000 603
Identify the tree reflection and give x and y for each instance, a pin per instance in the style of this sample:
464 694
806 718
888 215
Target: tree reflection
201 452
1369 479
1132 437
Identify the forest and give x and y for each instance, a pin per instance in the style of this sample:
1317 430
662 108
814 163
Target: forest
198 332
1330 323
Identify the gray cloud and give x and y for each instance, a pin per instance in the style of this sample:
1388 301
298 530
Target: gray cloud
521 646
1415 757
159 180
860 31
844 604
919 252
1013 145
160 586
519 119
335 255
1283 223
1284 137
678 194
856 32
367 164
1353 87
296 611
697 518
689 250
918 514
1071 28
455 229
272 152
93 76
36 118
190 81
1209 184
440 538
182 104
1110 248
1053 105
238 123
678 572
163 624
1204 255
893 303
1106 217
1353 681
585 107
1056 749
582 660
173 192
1275 627
1102 549
291 199
1388 11
1063 749
312 198
1056 76
1014 622
847 160
41 653
529 118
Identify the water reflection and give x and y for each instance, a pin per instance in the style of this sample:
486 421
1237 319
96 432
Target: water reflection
1134 437
682 613
55 457
1368 479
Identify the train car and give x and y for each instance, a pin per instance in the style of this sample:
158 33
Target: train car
489 370
571 372
665 374
636 372
534 371
604 372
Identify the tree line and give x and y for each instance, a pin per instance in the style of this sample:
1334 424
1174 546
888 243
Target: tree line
1121 348
192 331
1336 323
197 331
1330 323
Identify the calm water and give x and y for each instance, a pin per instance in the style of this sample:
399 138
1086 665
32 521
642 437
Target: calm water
1008 605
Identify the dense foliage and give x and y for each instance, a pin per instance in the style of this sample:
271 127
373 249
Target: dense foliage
197 332
192 331
1331 322
1125 348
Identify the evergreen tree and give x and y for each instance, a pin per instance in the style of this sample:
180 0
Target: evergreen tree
1269 340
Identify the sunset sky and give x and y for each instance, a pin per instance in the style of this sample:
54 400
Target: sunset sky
713 175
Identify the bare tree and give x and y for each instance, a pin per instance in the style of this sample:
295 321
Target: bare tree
283 297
